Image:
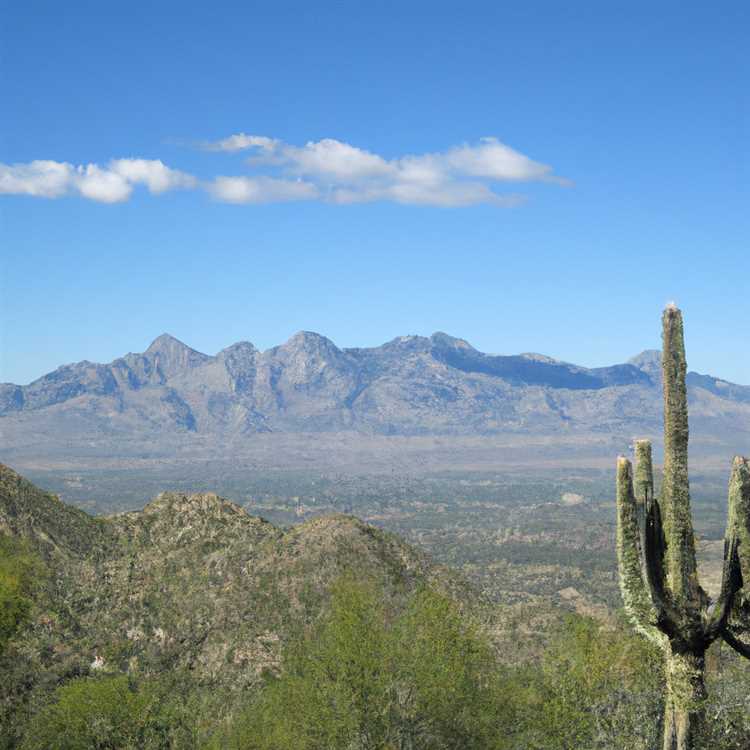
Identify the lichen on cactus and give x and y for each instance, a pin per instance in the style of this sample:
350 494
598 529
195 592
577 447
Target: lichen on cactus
656 555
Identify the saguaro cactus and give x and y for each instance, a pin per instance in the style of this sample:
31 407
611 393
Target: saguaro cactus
656 555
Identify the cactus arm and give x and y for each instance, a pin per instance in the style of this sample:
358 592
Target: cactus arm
739 514
644 473
654 553
635 594
738 535
681 568
643 485
731 583
743 649
655 549
652 533
731 577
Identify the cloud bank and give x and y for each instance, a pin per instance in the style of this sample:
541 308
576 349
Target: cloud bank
328 170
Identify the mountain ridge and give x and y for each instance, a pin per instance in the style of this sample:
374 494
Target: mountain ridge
409 386
174 355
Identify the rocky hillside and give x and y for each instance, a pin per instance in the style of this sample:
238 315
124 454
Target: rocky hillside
411 386
190 582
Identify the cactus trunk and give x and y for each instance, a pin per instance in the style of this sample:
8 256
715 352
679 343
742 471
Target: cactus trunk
684 706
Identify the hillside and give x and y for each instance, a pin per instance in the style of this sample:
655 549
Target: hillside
190 583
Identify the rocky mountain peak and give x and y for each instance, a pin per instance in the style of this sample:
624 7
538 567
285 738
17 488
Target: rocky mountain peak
444 340
309 341
310 347
238 357
177 519
648 357
649 361
241 348
408 344
535 357
186 504
164 343
171 355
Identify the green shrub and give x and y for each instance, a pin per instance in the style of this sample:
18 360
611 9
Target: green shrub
92 713
20 569
369 677
598 687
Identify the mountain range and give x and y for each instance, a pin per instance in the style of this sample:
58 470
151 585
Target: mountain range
411 386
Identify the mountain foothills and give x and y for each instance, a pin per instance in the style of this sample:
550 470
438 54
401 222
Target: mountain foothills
411 386
192 581
191 584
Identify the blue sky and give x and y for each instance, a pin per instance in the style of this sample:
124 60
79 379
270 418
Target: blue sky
370 206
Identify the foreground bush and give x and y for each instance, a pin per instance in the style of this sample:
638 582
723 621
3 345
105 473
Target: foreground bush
371 678
20 571
597 687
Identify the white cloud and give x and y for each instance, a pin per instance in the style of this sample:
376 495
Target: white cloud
153 173
331 159
42 178
242 142
101 185
424 170
461 176
111 184
495 161
327 170
261 190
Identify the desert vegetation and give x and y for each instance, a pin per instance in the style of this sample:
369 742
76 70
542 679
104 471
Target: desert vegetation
374 673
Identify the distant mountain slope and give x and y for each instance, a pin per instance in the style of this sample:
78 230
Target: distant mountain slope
413 385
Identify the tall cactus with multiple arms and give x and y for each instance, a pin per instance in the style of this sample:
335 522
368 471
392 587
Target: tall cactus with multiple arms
656 555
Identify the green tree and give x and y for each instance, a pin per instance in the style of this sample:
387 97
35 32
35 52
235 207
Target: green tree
448 690
373 679
598 687
91 713
20 569
333 693
111 712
